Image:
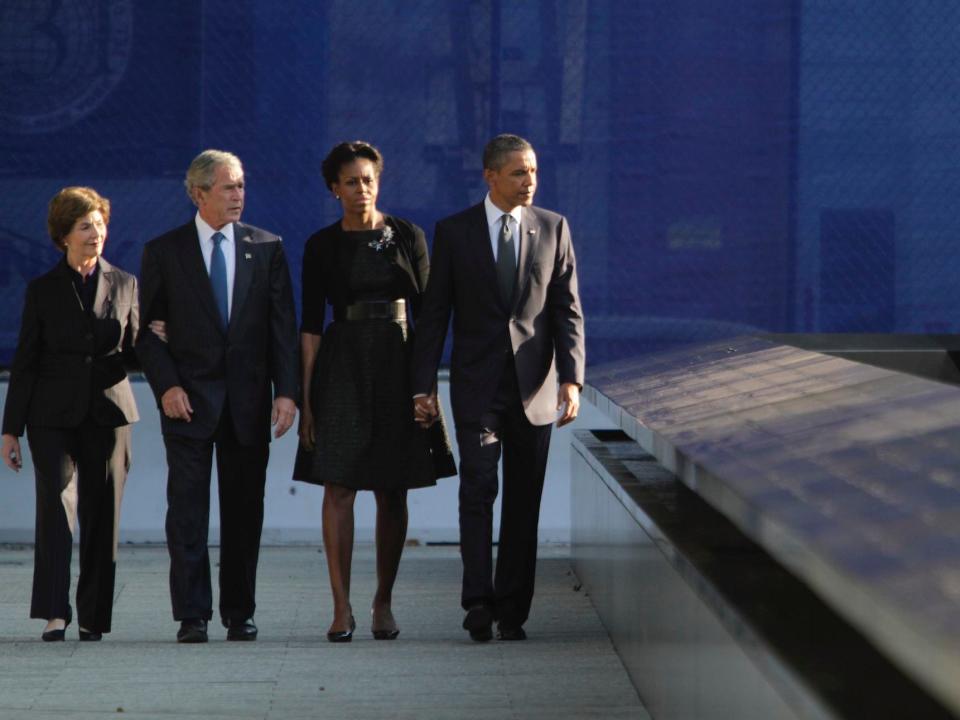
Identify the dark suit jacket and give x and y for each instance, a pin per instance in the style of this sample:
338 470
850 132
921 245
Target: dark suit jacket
70 366
259 348
543 328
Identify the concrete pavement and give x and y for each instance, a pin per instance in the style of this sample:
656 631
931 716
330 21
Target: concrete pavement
567 668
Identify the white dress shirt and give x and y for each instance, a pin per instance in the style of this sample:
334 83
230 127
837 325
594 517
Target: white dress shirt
205 233
494 215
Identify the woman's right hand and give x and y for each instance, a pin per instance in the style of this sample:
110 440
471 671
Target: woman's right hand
11 453
426 410
305 429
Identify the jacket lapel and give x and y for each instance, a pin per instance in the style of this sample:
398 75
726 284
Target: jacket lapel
243 273
529 239
195 271
103 298
484 260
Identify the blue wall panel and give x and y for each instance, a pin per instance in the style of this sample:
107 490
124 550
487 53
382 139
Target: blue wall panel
695 146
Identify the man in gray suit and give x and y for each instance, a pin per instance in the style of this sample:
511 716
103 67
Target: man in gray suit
221 357
506 272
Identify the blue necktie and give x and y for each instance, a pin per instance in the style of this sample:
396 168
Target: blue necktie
218 277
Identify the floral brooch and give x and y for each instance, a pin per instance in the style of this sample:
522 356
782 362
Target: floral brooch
384 241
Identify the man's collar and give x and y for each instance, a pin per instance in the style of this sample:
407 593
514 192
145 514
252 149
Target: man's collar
494 213
206 232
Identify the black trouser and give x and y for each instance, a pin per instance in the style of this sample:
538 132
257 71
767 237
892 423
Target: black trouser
241 476
80 474
524 448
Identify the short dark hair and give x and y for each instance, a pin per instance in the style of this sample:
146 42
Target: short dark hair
496 151
345 153
68 206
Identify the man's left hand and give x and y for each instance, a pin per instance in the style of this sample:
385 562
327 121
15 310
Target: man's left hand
568 400
283 415
159 328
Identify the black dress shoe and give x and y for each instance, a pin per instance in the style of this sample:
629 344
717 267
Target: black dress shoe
90 636
192 630
61 634
510 632
478 622
341 636
54 635
241 630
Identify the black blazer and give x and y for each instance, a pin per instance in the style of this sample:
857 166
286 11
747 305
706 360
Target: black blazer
239 365
543 328
327 260
69 367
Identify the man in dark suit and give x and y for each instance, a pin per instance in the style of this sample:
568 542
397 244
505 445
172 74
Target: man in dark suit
506 271
218 298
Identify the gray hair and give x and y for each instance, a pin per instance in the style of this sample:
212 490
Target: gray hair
496 151
204 167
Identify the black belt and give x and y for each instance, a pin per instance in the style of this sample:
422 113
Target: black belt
373 310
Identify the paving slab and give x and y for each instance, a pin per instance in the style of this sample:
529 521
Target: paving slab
567 668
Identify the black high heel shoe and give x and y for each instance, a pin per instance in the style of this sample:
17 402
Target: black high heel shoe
384 634
342 636
90 636
59 635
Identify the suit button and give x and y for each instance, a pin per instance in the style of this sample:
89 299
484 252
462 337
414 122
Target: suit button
88 336
88 359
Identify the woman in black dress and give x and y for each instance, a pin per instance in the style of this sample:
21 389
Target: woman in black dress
357 430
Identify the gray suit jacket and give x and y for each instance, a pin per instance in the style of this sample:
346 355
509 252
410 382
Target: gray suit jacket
543 328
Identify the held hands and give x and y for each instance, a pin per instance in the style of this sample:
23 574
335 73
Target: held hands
159 328
176 404
11 453
282 417
425 410
568 400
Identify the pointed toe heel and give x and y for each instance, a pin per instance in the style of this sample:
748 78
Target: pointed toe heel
343 636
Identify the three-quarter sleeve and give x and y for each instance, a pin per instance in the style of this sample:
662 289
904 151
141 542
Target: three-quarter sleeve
313 292
421 260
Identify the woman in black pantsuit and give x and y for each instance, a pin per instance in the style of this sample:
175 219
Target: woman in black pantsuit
69 389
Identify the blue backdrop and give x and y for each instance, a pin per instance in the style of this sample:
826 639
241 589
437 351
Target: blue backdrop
725 166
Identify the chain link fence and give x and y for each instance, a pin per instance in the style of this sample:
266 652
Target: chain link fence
878 173
751 164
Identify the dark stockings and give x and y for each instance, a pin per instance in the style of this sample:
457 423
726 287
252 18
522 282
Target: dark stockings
391 534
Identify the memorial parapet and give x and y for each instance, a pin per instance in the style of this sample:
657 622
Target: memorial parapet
847 473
